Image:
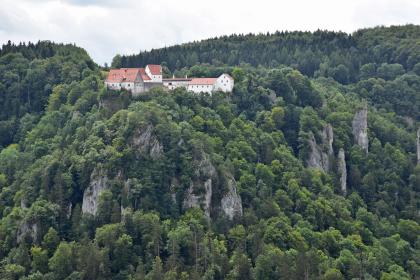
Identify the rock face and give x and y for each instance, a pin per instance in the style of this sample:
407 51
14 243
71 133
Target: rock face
342 171
199 194
418 146
25 229
69 208
173 188
320 154
359 126
231 202
98 183
145 141
196 200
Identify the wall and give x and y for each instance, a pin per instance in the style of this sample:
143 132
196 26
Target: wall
175 84
224 83
201 88
155 78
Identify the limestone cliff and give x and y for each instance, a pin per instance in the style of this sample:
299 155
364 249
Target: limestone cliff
320 154
359 126
231 202
98 183
27 229
144 141
342 171
200 191
199 200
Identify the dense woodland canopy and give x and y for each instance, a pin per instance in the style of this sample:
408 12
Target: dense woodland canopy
63 133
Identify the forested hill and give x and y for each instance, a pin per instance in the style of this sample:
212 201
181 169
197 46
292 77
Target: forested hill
321 53
28 75
294 175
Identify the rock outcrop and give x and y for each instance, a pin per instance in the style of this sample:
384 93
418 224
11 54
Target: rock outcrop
342 171
146 142
173 188
418 146
199 194
320 154
69 209
199 200
201 190
359 126
98 183
231 202
27 229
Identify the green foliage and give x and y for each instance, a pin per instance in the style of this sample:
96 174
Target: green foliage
66 140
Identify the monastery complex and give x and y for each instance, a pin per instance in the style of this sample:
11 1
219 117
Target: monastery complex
138 80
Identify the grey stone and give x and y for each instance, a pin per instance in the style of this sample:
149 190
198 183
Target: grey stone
145 141
27 228
342 170
98 183
359 126
231 202
320 154
193 200
205 174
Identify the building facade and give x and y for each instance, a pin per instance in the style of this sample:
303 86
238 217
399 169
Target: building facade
223 83
125 78
138 80
174 83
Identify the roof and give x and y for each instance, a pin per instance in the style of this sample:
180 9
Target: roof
176 79
122 75
155 69
202 81
143 74
227 75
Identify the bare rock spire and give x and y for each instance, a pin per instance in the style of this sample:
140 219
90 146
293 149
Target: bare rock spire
359 126
342 171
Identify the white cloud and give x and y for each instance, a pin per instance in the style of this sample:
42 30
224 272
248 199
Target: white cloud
105 28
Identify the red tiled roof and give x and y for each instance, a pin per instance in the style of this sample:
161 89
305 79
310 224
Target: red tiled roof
202 81
176 79
122 75
143 74
155 69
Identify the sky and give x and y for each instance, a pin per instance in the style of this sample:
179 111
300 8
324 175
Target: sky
109 27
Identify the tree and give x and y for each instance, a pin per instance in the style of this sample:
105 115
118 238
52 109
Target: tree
240 267
39 259
50 241
62 263
157 271
116 61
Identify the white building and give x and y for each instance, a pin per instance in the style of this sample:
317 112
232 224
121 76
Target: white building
202 85
125 78
174 83
138 80
223 83
154 72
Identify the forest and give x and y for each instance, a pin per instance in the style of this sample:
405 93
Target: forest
309 169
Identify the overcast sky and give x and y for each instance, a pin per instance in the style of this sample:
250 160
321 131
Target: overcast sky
108 27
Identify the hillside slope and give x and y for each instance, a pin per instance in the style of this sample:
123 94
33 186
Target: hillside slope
288 177
321 53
